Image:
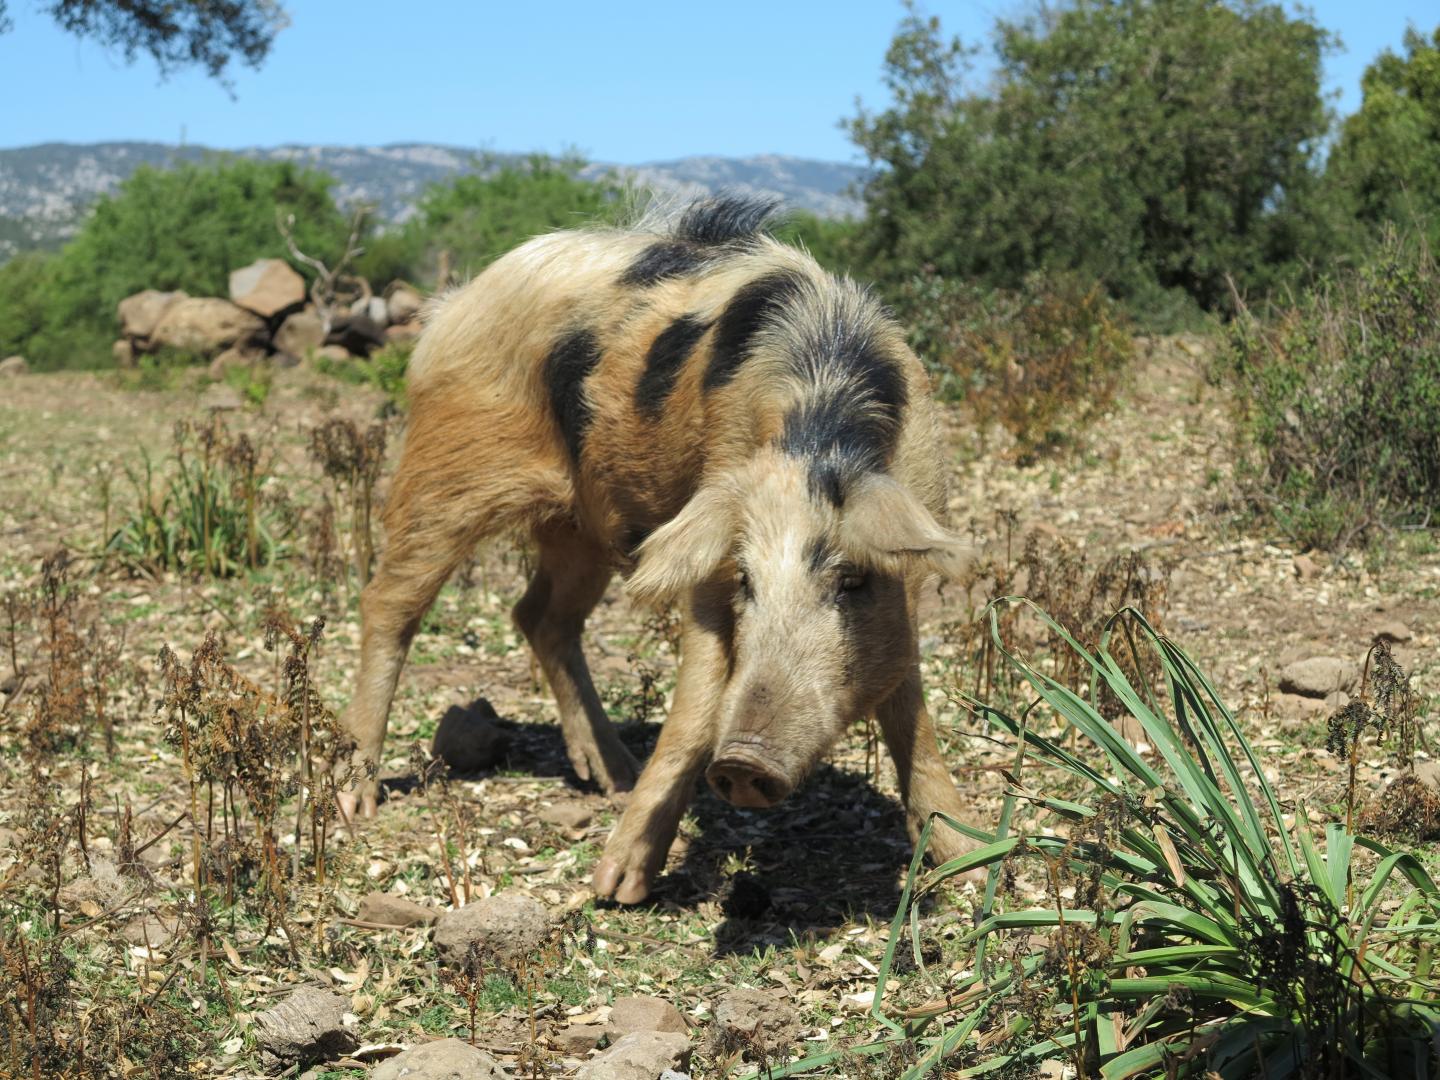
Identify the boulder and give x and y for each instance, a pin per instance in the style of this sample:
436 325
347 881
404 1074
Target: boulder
445 1059
467 738
207 325
300 334
140 314
1318 676
506 926
758 1018
391 910
578 1039
14 365
336 353
359 334
373 308
401 332
638 1013
307 1026
641 1055
240 355
405 302
267 287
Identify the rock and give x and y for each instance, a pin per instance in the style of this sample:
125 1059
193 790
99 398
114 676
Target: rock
14 365
206 325
578 1040
267 287
123 353
1394 630
568 815
1305 567
758 1017
152 930
638 1013
445 1059
392 910
1318 677
359 334
373 308
506 926
307 1026
467 738
641 1055
336 353
218 397
402 332
242 355
1428 772
140 314
405 302
300 334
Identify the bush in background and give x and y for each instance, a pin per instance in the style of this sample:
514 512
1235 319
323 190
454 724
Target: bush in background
1339 400
1042 361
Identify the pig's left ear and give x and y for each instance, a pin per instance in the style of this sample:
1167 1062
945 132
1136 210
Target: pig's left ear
687 548
884 519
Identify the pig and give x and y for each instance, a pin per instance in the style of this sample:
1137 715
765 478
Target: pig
737 432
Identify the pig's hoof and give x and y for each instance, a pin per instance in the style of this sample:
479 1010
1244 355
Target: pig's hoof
612 767
615 881
354 805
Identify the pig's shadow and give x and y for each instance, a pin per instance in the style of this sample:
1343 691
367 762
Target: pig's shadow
831 853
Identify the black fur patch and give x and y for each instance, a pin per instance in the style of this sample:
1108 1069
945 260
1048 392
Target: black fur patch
661 261
727 218
570 362
847 425
748 311
667 355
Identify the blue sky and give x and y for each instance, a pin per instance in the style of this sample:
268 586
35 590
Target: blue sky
626 82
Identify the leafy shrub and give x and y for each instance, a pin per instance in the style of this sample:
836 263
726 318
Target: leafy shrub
1339 401
1193 928
1042 361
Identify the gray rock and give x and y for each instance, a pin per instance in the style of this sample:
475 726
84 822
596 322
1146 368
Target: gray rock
392 910
306 1027
758 1017
467 738
404 302
207 325
445 1059
578 1039
300 334
570 814
506 926
1318 677
638 1013
139 314
14 365
267 287
641 1055
373 308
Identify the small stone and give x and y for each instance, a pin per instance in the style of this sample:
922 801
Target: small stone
1318 677
467 738
578 1039
151 931
335 353
1394 630
641 1055
306 1027
445 1059
506 926
12 366
640 1013
1306 568
219 397
123 353
391 910
758 1017
568 815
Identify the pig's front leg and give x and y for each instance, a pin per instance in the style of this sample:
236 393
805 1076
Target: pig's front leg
925 784
636 850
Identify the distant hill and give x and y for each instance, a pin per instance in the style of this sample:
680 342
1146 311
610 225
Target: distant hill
46 189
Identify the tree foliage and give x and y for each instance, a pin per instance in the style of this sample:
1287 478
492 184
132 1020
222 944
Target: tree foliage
1385 168
1152 145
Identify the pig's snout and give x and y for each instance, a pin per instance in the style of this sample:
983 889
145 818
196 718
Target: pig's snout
743 776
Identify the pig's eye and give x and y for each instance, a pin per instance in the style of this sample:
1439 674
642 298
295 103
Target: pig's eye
744 582
852 581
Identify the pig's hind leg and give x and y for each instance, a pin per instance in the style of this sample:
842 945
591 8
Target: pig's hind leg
569 581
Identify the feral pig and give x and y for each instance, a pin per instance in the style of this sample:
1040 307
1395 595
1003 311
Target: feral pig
737 432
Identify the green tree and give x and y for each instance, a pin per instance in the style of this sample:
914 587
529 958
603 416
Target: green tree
1154 145
182 228
205 33
1385 168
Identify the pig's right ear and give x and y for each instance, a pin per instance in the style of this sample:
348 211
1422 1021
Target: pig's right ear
687 548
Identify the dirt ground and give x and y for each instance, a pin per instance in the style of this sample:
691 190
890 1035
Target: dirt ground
795 901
